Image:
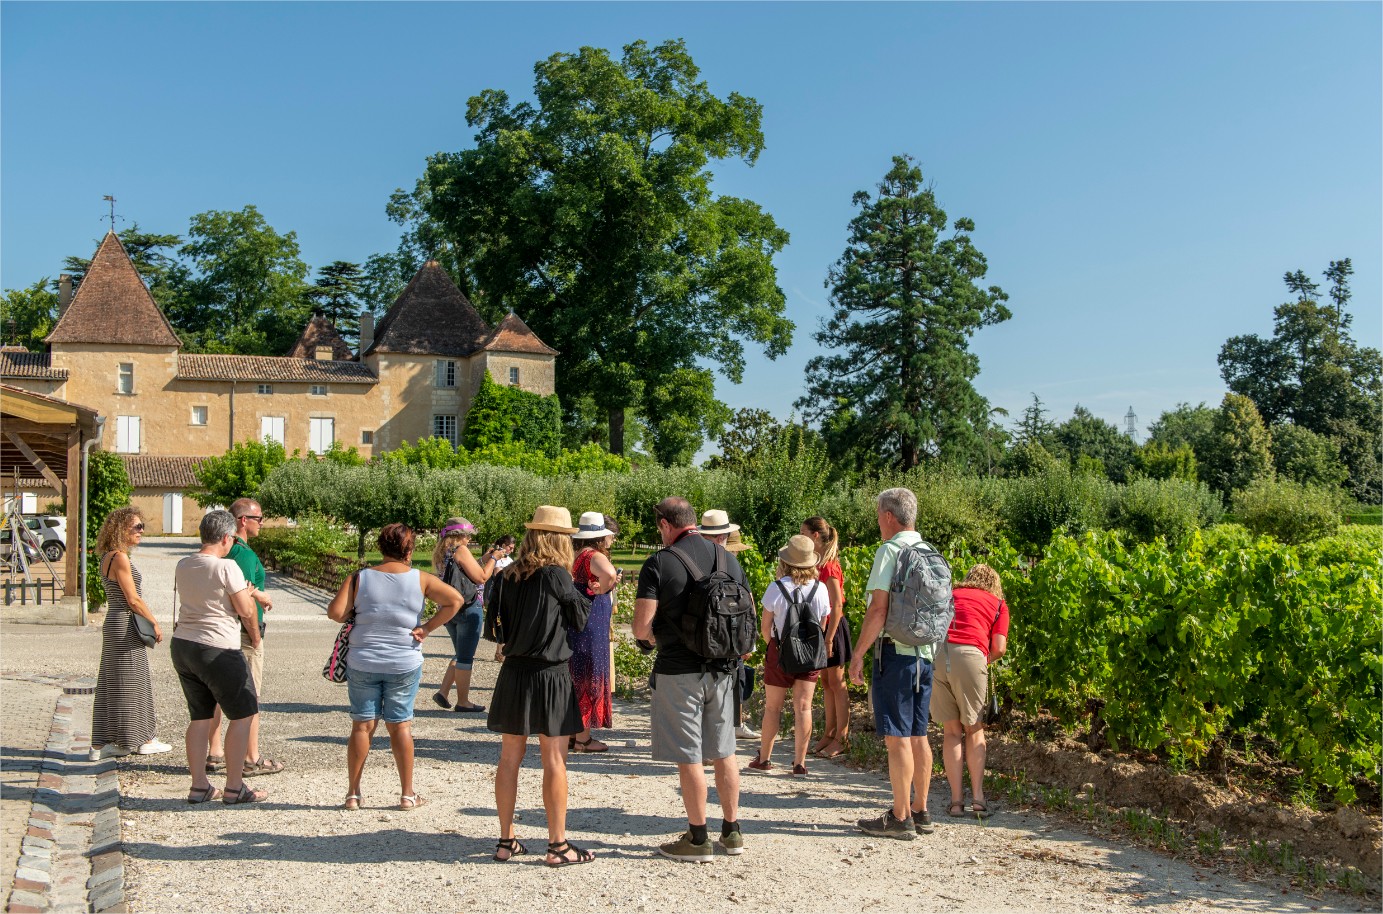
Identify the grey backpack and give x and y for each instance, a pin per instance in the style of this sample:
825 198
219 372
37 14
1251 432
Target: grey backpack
920 605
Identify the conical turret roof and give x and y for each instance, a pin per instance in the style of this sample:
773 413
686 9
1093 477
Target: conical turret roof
112 305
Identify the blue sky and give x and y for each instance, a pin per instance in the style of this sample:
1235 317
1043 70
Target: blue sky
1140 175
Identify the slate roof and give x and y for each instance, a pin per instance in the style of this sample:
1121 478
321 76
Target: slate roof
320 332
513 335
271 368
431 317
112 305
149 472
20 363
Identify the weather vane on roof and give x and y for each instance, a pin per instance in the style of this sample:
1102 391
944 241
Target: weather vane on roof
111 200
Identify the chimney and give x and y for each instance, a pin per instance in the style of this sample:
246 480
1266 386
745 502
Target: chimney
367 331
64 293
324 354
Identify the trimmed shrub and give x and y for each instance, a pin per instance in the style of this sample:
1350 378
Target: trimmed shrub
1170 508
1288 511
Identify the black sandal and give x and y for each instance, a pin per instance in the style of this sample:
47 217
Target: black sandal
513 847
561 848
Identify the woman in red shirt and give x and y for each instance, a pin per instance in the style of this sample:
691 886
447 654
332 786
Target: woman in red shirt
836 699
960 682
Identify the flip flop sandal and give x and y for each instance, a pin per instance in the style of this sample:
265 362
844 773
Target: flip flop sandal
352 803
263 766
407 802
204 794
956 811
511 847
561 849
245 794
837 753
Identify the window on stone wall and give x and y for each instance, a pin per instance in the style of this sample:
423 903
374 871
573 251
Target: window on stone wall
444 427
321 433
514 377
367 436
199 415
446 373
318 390
265 388
127 434
125 383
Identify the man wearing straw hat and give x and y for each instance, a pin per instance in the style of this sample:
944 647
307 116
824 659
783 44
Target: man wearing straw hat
693 707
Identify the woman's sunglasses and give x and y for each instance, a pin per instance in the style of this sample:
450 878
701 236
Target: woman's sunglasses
138 528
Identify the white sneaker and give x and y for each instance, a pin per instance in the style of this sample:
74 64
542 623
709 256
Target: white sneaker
154 747
744 731
109 750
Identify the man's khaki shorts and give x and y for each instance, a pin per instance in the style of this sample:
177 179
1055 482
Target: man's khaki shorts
254 656
960 683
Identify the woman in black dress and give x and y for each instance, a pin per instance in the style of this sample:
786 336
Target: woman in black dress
532 605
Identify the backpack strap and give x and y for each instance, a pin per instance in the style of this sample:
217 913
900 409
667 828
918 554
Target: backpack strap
689 563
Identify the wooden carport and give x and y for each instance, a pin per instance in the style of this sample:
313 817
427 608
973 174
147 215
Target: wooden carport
44 437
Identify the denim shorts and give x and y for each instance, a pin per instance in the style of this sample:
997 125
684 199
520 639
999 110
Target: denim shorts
386 696
464 628
902 692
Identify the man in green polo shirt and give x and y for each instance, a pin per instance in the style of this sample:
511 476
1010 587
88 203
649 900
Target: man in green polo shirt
248 518
901 690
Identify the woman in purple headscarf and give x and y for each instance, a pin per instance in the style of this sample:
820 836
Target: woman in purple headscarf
453 563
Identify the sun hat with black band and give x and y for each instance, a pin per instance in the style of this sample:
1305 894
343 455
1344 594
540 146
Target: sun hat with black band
800 552
551 519
716 522
592 527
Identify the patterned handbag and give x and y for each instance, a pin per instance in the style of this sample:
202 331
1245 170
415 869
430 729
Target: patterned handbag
334 670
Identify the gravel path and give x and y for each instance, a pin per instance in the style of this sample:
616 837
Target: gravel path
296 852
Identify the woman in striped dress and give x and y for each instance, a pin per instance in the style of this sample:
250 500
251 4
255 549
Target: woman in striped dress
122 720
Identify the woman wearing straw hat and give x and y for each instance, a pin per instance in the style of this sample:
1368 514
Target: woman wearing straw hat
590 649
797 569
533 605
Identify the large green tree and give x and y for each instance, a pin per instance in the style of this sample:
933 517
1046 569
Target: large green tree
1087 436
336 294
246 289
1312 374
1240 450
27 315
905 300
589 211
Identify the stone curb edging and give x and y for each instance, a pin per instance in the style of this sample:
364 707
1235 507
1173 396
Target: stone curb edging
71 857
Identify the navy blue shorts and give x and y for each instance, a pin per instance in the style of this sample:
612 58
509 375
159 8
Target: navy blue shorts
902 692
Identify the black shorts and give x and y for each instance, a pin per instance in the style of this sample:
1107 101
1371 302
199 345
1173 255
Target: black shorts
212 676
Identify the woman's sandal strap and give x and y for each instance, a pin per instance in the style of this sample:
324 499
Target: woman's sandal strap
560 849
511 846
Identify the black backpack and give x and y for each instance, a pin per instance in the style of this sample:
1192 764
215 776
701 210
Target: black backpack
454 575
802 645
718 623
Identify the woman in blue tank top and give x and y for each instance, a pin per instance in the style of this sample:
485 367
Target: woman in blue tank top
385 661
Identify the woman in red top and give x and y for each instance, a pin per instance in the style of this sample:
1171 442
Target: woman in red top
960 682
836 699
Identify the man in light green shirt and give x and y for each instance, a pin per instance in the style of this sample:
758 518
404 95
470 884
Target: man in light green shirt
901 689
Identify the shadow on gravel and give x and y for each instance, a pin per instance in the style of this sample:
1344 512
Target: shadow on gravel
392 845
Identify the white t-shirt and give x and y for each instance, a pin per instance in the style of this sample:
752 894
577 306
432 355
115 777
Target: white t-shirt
205 612
776 604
